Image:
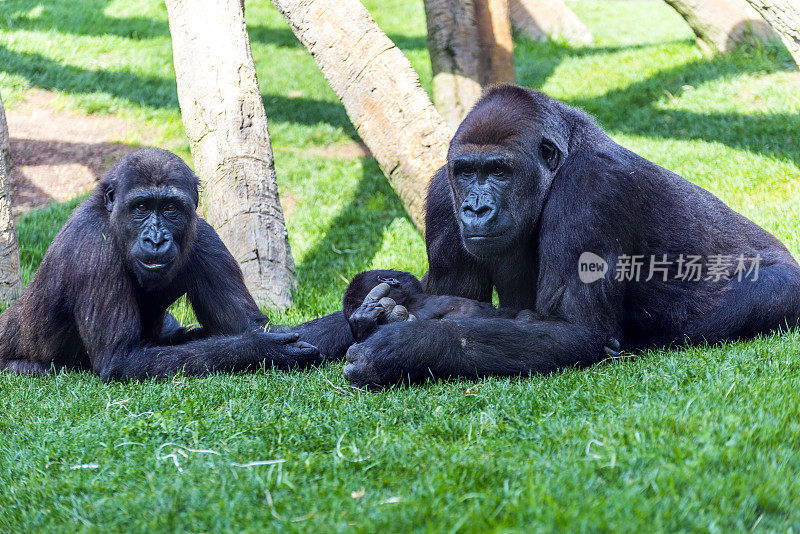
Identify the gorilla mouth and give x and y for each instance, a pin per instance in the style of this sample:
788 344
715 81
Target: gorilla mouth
481 237
153 266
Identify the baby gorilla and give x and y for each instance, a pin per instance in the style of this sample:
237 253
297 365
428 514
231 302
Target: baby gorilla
381 297
375 298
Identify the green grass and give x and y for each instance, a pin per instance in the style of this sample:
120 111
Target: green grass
702 439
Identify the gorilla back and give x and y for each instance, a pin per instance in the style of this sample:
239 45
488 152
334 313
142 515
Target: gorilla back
99 298
533 190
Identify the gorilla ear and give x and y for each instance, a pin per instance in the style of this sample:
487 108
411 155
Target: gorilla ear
550 154
109 197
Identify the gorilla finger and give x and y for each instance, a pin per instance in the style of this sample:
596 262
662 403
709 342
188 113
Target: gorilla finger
306 360
613 343
371 306
412 317
353 353
398 314
285 338
307 351
611 353
387 304
304 345
379 291
348 371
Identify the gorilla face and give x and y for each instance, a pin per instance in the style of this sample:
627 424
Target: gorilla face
483 184
501 164
156 221
495 194
153 220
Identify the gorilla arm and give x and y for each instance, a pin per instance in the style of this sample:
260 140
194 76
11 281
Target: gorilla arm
231 337
481 346
413 351
223 305
116 349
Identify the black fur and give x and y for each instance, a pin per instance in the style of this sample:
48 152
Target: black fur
546 184
98 301
403 291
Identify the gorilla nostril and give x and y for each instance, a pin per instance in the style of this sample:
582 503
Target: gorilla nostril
155 244
483 210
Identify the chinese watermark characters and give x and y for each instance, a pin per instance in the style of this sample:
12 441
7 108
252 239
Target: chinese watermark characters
662 267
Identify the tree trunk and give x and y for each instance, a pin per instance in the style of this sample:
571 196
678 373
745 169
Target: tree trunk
379 90
494 30
226 125
784 17
722 25
10 276
455 49
469 42
5 141
539 20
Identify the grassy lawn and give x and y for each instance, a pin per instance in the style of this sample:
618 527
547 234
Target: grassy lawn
704 439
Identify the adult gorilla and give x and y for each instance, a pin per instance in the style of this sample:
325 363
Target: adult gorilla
530 186
99 298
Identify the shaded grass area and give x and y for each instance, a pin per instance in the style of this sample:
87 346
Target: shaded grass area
698 439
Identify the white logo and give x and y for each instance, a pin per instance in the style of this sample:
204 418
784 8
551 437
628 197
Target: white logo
591 267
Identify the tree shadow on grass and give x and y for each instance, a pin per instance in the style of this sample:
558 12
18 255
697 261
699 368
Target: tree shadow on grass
634 110
535 62
352 239
60 16
155 92
86 19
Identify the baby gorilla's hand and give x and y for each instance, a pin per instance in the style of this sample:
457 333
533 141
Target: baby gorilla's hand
377 309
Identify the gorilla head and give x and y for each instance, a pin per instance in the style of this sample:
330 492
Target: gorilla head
501 163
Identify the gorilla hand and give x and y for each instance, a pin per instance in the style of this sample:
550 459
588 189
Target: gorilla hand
286 352
389 356
377 309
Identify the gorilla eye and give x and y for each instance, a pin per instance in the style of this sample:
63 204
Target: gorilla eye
549 154
140 207
499 171
170 209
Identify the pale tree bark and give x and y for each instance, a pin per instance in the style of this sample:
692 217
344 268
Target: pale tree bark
470 45
224 118
10 275
455 49
539 20
722 25
494 30
784 17
379 90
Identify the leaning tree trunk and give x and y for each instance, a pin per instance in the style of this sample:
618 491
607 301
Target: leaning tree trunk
10 280
226 124
379 90
722 25
539 20
469 42
784 17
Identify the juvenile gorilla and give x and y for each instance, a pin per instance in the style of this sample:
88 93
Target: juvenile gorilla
99 298
529 187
